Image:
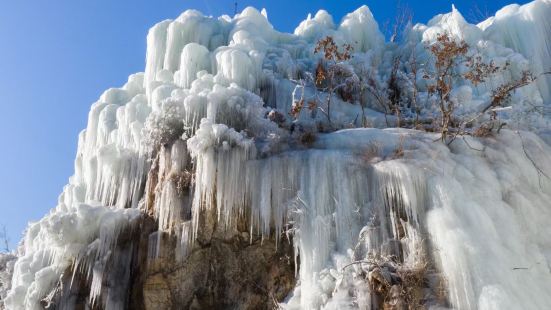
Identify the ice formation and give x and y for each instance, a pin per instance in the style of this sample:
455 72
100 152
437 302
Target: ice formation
82 236
207 127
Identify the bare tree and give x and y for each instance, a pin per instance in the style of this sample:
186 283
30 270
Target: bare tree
328 74
388 94
5 239
448 54
478 14
402 22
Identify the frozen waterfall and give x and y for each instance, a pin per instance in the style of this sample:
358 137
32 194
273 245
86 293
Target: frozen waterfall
205 135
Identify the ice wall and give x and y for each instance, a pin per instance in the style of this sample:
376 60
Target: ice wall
486 223
207 127
483 221
525 29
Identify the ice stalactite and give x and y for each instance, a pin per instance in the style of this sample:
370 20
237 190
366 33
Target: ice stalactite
327 196
60 240
170 202
106 265
170 205
83 229
110 162
194 58
221 155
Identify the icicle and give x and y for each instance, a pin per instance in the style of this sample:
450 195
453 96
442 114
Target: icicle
84 237
221 154
194 58
185 246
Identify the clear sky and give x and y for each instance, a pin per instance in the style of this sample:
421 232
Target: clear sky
57 57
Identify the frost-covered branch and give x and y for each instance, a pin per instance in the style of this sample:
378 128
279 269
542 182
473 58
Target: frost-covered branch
538 169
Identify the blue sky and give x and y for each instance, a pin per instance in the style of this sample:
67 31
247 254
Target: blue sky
57 57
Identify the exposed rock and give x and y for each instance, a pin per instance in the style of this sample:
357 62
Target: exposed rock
224 274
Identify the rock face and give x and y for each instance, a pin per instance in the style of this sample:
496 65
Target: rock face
224 274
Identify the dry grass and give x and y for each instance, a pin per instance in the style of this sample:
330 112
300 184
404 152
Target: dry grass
372 152
399 150
483 131
308 138
182 180
414 282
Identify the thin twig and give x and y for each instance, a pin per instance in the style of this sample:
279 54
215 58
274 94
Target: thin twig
531 160
359 262
5 239
467 143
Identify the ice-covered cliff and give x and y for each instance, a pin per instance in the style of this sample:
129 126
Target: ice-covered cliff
197 185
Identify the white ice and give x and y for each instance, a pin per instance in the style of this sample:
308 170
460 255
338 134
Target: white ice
216 95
